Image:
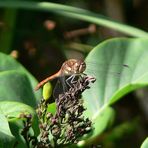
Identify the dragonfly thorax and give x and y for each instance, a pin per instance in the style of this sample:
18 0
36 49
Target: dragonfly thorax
73 66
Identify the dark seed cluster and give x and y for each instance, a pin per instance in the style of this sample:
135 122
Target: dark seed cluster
68 124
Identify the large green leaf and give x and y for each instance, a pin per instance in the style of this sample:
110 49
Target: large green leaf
15 86
6 138
76 13
16 83
109 87
145 143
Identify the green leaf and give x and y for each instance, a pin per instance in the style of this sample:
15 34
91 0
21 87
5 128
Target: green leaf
15 86
109 87
145 143
76 13
16 127
52 108
99 125
8 65
6 138
14 109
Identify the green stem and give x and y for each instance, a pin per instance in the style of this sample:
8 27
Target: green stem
76 13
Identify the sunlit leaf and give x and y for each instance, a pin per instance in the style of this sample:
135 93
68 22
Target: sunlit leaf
12 112
6 138
52 108
132 52
145 143
16 83
15 86
14 109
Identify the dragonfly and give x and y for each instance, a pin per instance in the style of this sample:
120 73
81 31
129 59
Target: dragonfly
68 73
68 68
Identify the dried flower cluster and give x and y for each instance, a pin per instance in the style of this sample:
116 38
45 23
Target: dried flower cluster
68 124
71 124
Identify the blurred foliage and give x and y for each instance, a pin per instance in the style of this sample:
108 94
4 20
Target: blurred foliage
42 40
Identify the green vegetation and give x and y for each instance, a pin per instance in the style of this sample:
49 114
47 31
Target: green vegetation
118 65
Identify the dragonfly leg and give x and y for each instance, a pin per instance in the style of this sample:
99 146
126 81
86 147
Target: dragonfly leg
72 80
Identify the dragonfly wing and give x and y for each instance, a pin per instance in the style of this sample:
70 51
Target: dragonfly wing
111 74
64 83
60 87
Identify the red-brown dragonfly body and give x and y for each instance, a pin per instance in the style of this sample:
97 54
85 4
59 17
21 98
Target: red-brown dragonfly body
69 67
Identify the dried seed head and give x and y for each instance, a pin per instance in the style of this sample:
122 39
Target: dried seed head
49 115
68 124
56 131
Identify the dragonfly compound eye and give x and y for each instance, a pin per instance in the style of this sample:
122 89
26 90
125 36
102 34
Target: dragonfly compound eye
82 67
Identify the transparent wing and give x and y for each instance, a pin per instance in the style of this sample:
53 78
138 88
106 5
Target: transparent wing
64 83
60 87
111 74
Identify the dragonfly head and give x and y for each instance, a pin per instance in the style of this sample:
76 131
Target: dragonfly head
72 66
80 66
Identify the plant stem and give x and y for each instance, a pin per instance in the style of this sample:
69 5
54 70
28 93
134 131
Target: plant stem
76 13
